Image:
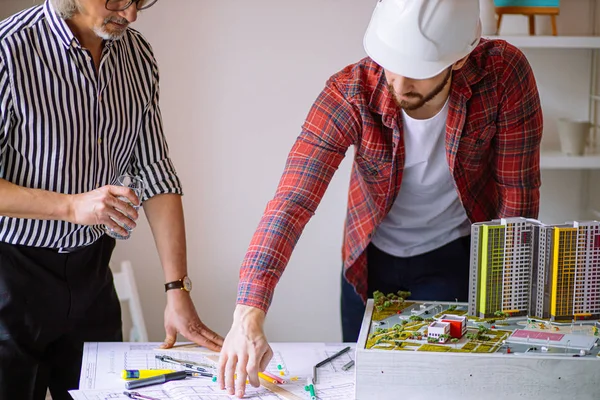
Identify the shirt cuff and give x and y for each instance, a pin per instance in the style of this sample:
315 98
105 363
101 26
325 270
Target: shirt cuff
256 294
160 178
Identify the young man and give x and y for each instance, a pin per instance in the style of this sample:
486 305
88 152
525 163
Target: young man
78 107
446 128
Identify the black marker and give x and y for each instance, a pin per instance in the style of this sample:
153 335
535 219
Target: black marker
155 380
333 357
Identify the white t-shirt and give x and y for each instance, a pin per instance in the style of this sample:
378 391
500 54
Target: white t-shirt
427 214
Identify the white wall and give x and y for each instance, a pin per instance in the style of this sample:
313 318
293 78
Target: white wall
238 78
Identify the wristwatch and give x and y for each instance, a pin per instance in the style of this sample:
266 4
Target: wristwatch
184 283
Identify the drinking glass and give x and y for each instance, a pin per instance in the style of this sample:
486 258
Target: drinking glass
137 185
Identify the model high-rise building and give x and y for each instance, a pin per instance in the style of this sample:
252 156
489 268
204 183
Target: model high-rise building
522 267
501 267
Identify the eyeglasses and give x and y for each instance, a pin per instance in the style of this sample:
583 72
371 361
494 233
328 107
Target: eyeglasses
122 5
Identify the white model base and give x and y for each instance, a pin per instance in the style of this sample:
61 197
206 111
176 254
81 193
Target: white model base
415 375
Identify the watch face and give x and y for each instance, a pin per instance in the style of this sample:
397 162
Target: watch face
187 283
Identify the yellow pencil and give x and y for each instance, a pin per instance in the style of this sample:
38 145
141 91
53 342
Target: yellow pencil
267 378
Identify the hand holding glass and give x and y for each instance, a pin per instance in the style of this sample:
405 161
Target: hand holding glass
137 186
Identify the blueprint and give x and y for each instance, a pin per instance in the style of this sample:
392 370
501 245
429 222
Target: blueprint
293 362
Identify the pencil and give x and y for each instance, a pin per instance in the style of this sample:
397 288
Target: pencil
267 378
274 377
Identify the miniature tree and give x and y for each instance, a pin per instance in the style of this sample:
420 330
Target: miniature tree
403 295
482 330
454 341
378 299
444 336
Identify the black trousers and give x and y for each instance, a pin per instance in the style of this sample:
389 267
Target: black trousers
50 304
441 274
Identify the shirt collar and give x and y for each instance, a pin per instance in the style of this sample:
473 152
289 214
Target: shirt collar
381 101
59 26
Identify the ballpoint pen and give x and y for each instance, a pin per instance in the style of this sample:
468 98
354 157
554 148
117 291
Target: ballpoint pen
184 363
136 395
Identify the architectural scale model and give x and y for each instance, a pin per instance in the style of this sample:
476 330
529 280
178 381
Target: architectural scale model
530 328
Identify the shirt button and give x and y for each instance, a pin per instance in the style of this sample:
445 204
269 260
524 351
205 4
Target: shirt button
100 141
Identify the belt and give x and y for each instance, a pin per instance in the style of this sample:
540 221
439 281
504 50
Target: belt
67 250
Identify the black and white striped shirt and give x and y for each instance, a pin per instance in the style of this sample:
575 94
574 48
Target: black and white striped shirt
67 129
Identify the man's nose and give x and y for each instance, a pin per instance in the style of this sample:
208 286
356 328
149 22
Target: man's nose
401 84
130 14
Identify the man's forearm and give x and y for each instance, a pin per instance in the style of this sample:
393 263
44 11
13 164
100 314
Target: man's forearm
20 202
165 215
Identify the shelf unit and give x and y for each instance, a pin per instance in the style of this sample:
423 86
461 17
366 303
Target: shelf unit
551 42
553 159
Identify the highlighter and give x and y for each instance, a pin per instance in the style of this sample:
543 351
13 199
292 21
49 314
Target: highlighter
143 373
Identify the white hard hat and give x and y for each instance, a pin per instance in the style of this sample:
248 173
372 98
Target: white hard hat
418 39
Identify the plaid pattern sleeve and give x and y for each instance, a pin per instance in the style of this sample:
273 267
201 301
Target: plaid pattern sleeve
493 135
516 159
330 128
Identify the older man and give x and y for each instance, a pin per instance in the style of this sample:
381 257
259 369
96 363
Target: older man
78 107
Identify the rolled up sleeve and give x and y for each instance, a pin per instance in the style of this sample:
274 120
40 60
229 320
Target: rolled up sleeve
151 156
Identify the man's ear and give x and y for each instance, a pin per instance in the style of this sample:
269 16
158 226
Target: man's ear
459 64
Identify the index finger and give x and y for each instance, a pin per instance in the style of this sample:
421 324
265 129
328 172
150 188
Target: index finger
121 191
211 335
209 344
200 339
252 368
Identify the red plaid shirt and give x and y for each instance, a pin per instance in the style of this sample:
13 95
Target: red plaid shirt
493 135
